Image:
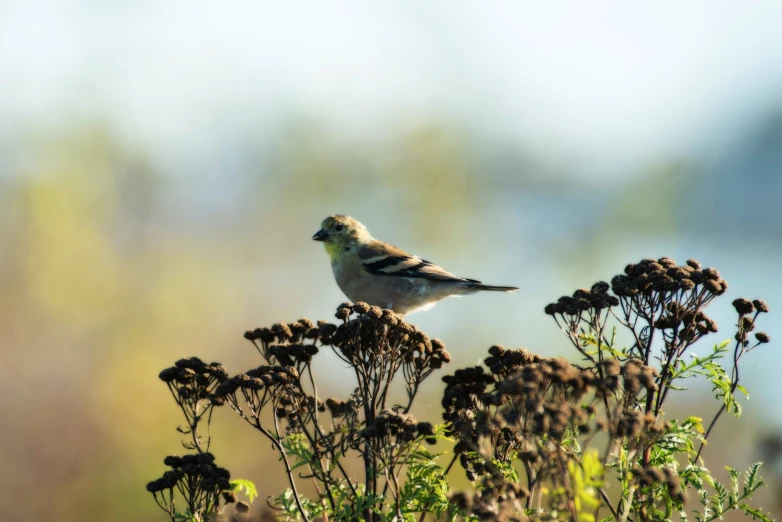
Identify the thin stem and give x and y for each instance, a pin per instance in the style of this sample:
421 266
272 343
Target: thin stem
608 503
628 502
288 470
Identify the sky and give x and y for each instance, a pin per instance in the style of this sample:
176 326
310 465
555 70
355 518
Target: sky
603 84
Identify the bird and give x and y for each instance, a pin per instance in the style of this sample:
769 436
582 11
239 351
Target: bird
377 273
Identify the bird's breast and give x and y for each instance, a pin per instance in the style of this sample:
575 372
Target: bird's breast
344 280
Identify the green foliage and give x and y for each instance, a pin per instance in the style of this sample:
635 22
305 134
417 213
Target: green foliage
245 486
722 383
700 366
586 479
731 497
679 438
424 490
296 447
426 487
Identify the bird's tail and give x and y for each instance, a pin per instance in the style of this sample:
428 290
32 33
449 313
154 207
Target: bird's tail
496 288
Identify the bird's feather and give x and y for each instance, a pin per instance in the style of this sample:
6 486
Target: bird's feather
381 274
380 258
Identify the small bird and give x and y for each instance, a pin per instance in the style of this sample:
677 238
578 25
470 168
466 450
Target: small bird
377 273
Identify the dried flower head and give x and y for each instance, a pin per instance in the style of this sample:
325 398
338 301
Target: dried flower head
743 306
760 306
196 476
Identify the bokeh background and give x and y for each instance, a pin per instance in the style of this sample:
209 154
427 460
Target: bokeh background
163 166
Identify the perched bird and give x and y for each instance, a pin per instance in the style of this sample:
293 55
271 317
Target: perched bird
377 273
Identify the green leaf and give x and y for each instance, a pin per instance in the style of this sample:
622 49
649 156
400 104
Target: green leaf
245 486
724 500
752 475
756 514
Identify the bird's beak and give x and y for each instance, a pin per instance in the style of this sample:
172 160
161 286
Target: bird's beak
321 235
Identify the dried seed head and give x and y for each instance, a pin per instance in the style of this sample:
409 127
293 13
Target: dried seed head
185 376
496 350
389 317
282 331
461 500
747 324
760 306
711 273
361 308
743 306
375 312
169 374
425 428
714 286
611 367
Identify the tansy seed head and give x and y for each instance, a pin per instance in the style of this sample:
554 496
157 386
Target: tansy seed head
760 306
361 308
282 331
743 306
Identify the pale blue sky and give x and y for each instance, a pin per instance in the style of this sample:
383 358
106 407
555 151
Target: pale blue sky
604 84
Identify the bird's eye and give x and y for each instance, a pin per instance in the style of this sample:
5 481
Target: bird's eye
339 228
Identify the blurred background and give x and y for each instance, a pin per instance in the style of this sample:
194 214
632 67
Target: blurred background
163 166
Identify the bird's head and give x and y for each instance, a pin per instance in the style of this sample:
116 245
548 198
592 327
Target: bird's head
341 233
